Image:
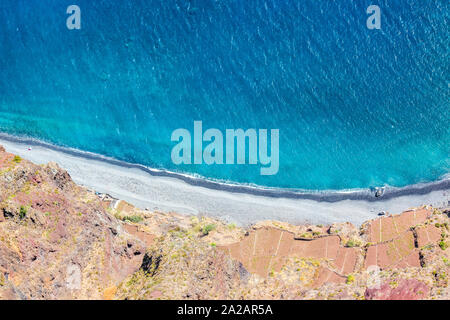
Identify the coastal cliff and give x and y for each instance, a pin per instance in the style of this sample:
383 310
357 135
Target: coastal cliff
59 240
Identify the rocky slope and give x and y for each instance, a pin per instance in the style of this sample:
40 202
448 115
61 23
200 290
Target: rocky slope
61 241
56 239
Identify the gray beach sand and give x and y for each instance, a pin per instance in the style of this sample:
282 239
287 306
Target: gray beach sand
166 193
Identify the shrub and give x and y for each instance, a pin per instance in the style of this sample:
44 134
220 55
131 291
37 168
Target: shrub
443 245
17 159
22 212
445 260
135 219
231 226
352 243
350 279
208 228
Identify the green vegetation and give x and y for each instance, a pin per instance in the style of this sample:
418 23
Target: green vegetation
22 212
208 228
393 284
306 235
350 279
441 225
135 219
272 272
231 226
443 245
352 243
17 159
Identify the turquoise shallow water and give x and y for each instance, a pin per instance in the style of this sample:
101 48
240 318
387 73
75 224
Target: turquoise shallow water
356 108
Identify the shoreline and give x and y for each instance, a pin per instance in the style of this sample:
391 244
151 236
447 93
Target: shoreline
241 204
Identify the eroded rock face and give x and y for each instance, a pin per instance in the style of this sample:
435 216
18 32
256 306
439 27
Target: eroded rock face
56 239
406 289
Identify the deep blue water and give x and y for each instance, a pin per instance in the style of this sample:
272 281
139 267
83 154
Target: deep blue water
355 107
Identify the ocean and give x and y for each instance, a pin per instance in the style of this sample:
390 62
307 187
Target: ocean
355 108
